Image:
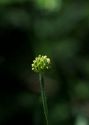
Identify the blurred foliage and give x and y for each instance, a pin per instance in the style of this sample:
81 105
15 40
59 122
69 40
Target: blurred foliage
50 5
59 29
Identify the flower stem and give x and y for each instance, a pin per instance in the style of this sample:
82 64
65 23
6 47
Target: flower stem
43 96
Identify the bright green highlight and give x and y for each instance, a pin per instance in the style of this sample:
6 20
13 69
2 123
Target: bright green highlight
48 4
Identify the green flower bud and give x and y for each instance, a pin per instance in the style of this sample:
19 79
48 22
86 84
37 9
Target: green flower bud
41 64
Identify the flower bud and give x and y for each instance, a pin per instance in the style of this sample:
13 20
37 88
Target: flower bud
41 63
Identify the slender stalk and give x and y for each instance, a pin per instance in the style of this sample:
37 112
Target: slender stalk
43 95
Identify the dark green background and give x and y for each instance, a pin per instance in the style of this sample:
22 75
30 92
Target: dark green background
60 30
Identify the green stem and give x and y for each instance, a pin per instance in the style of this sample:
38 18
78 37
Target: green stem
43 95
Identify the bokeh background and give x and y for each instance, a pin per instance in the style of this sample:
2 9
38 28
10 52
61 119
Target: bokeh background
60 30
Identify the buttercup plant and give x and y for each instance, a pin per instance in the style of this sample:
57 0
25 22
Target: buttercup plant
40 65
